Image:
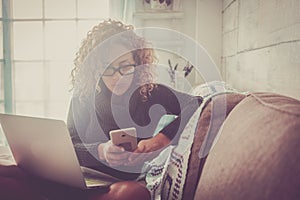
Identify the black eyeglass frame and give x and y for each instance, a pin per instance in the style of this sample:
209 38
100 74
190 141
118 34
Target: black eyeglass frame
119 70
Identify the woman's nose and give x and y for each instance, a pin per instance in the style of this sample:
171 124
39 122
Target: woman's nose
116 75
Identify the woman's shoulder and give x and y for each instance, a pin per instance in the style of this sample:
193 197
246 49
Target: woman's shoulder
165 91
162 91
159 87
150 91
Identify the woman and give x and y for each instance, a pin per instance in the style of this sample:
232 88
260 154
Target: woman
113 88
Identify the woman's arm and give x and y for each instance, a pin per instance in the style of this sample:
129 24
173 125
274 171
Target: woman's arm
181 104
174 102
91 154
78 120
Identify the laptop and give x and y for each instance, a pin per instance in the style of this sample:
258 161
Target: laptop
43 148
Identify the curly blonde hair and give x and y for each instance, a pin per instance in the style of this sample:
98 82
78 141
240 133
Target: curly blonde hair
84 78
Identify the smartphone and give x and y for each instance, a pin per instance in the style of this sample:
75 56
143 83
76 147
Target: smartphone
125 138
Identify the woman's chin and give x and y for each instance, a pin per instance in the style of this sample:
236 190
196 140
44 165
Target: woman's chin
119 89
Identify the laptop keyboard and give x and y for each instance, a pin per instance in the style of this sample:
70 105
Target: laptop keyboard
94 182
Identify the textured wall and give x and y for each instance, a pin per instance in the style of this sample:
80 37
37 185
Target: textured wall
261 45
209 27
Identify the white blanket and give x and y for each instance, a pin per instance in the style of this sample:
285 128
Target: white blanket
6 157
173 157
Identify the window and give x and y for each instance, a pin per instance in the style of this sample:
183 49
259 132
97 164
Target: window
43 38
40 39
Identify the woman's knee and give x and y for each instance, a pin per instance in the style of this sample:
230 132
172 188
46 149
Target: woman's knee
129 190
12 171
14 184
11 188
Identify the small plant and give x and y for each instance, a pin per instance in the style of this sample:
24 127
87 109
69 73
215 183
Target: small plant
187 69
172 71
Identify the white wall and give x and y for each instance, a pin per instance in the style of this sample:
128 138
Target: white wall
209 27
261 45
202 22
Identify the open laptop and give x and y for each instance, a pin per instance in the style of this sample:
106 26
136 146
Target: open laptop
43 147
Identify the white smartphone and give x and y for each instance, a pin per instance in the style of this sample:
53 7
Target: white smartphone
125 138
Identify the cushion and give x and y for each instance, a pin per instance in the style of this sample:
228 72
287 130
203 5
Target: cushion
209 123
257 154
180 179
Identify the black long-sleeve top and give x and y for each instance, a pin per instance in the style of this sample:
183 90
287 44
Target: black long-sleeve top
90 120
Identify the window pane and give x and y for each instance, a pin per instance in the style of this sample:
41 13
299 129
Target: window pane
59 86
1 83
0 8
1 41
60 40
60 8
29 81
32 108
58 110
27 9
28 40
2 107
92 8
59 80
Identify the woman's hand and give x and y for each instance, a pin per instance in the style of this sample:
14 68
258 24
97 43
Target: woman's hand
148 149
112 154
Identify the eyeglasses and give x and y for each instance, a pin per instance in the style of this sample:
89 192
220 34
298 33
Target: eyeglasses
124 70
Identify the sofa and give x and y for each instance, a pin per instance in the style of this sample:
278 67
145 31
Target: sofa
245 147
250 150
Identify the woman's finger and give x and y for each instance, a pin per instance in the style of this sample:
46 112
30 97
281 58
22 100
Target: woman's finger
116 163
117 156
115 149
141 158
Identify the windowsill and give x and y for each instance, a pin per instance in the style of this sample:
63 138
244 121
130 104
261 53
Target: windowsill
159 15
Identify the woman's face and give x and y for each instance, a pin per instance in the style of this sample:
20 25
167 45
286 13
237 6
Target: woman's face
119 74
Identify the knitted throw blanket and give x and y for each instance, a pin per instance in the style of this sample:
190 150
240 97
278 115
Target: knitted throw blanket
167 174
